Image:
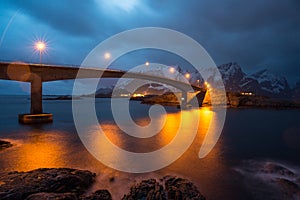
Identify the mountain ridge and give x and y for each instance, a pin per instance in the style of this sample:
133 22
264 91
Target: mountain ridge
261 82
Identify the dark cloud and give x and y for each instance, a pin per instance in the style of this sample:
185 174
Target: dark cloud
72 17
256 34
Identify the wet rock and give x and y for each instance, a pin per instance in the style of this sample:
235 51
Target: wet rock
174 188
98 195
271 180
56 196
146 189
178 188
288 187
20 185
112 179
273 168
71 184
4 144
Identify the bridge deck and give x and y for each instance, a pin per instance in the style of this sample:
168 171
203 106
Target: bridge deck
27 72
36 74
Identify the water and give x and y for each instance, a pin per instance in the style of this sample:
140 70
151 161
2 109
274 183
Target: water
249 135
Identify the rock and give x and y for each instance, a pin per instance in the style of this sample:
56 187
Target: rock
288 187
241 100
174 188
178 188
146 189
112 179
4 144
20 185
56 196
271 180
71 184
98 195
273 168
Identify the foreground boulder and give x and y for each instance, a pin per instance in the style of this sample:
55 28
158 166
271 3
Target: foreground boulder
271 180
178 188
169 188
56 196
98 195
61 183
72 184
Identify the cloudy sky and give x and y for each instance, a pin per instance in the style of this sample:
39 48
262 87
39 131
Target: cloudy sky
256 34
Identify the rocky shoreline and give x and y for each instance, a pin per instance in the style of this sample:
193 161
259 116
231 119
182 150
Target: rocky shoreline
234 100
73 184
265 176
169 187
64 97
237 100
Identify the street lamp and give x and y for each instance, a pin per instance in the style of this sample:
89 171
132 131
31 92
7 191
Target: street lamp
40 46
187 75
172 69
107 56
207 84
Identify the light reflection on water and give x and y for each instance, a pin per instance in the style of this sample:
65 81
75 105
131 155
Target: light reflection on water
47 148
166 147
37 150
162 138
58 145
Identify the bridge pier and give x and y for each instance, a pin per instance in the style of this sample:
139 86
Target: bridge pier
36 96
36 114
200 97
184 100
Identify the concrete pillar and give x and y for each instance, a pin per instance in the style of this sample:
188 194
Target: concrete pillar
200 97
36 110
36 95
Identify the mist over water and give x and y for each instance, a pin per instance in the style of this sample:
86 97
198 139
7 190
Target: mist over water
249 136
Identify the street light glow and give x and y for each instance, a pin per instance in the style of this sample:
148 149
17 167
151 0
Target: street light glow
187 75
40 45
172 69
207 84
107 55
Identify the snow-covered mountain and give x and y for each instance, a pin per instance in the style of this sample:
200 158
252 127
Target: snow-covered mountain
232 76
126 85
261 82
235 80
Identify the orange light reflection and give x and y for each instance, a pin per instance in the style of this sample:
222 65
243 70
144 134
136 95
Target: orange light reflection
42 151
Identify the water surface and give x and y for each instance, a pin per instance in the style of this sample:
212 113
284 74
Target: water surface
258 135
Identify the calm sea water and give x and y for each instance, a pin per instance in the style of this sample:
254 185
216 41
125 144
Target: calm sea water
249 135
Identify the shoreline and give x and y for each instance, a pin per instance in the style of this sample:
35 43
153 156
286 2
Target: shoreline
69 183
234 100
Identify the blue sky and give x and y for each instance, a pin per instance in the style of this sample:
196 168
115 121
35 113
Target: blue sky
256 34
